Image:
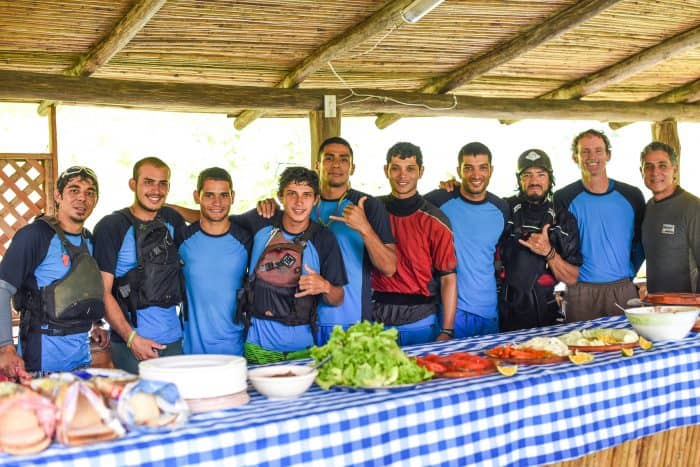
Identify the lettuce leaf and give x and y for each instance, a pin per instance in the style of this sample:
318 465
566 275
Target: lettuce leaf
366 355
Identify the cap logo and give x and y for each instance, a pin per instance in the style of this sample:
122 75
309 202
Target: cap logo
532 156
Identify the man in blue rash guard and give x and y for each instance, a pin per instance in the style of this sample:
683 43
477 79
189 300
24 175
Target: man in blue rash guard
361 224
281 327
215 251
36 261
609 215
478 220
152 328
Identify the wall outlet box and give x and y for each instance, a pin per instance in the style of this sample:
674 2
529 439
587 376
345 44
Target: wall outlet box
329 106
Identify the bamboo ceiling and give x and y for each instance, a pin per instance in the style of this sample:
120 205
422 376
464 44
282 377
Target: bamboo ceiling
642 49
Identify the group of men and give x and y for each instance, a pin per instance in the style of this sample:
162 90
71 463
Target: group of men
272 282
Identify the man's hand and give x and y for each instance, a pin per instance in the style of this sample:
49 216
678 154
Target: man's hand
354 216
12 365
100 336
442 337
312 283
145 349
267 207
449 185
538 243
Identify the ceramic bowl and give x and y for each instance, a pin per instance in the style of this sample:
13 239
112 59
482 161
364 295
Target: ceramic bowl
660 323
282 381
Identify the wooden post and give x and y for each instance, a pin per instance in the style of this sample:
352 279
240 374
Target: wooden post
667 132
52 165
322 127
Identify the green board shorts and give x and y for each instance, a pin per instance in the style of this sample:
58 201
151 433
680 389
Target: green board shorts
257 355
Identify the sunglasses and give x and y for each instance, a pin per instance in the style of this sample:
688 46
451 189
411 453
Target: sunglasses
74 171
78 170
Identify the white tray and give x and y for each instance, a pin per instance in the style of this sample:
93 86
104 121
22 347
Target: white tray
199 376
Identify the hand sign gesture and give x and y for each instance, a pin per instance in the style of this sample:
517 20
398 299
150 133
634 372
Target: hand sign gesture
311 283
354 216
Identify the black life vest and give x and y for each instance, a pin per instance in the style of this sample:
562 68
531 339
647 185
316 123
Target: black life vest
68 305
525 301
269 291
157 279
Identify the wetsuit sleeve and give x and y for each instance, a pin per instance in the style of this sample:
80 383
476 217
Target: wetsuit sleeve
636 198
694 238
108 240
569 245
27 250
6 293
378 218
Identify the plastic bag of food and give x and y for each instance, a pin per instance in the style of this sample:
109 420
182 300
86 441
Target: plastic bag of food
83 417
27 420
152 406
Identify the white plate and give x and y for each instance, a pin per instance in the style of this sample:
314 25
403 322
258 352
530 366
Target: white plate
199 376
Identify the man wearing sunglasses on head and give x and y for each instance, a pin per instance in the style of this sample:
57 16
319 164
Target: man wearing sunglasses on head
55 283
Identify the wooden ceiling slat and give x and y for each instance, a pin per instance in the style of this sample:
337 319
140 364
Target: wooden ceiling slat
555 26
387 17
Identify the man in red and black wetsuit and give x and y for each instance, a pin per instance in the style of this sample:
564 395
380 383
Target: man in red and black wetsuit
425 276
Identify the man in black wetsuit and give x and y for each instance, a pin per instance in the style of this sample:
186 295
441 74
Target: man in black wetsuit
540 248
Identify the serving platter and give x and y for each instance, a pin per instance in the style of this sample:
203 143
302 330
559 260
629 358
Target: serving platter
672 298
604 348
373 389
527 361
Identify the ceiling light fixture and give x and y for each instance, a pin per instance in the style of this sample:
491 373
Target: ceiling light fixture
416 10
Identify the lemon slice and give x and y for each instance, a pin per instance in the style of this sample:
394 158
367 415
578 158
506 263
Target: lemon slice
627 352
645 344
507 370
580 358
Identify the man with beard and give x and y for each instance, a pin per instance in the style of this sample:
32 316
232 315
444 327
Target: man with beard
57 283
425 275
541 247
215 251
671 227
140 266
478 220
609 215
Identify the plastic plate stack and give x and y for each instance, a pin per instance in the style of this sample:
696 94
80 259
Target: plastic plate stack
206 382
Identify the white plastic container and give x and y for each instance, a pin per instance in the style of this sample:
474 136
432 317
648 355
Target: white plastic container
199 376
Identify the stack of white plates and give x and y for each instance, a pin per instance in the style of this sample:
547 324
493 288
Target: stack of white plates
200 376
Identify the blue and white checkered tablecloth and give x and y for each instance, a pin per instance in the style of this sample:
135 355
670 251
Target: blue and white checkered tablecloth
543 414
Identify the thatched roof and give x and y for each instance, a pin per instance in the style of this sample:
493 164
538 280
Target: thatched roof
500 55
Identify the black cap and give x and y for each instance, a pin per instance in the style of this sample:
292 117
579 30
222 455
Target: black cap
534 158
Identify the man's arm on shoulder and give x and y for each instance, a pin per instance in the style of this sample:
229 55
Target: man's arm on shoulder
190 215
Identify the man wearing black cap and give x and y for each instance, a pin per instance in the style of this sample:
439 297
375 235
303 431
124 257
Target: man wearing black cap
540 248
56 284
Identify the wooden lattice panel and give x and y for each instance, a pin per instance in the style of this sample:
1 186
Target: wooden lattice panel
25 191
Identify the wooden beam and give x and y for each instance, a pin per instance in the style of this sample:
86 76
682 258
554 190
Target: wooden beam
181 97
387 17
630 66
689 93
122 33
552 28
322 128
